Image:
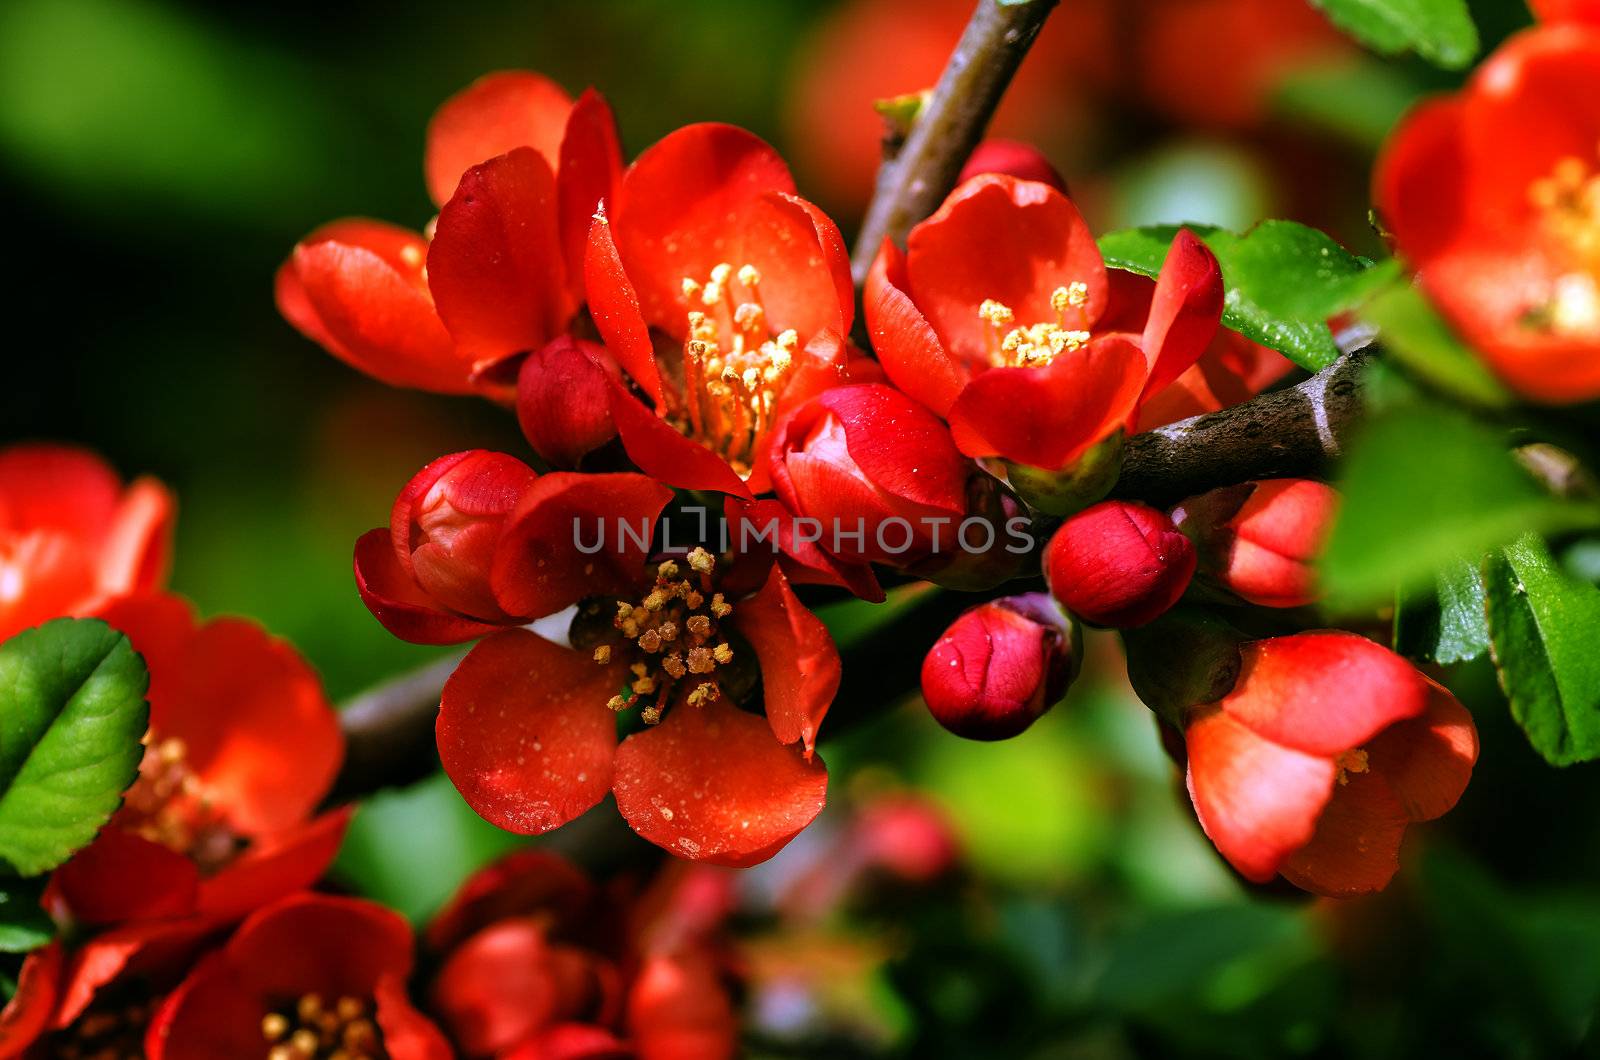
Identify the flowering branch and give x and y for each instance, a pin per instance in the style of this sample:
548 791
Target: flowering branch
914 179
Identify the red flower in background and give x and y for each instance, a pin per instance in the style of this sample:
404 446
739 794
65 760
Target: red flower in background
72 539
517 169
302 977
725 297
1566 10
221 817
1327 747
537 962
525 731
1493 193
996 317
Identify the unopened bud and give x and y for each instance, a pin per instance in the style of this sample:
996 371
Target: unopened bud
1000 666
1118 564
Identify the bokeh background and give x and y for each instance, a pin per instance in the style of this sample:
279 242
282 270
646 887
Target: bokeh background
159 158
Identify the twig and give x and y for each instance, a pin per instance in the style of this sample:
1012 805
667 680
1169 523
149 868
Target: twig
388 730
914 180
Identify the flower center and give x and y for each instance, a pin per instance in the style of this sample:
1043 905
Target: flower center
1036 345
1350 762
311 1029
104 1033
1568 201
170 805
673 637
734 367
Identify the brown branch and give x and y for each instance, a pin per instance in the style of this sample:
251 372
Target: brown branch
388 730
916 178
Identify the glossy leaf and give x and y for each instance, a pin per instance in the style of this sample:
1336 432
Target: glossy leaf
1444 622
1441 31
1420 341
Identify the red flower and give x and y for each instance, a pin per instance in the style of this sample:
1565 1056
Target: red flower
220 819
72 539
517 169
524 730
996 317
1326 749
537 962
304 976
725 297
1231 370
1118 564
564 400
1000 666
1258 540
1566 10
1020 160
1493 194
884 483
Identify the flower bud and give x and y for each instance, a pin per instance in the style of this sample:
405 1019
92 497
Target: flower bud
1118 564
1020 160
1258 540
1000 666
447 522
872 476
564 399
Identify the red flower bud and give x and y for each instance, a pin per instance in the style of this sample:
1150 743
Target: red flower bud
1258 540
1000 666
1118 564
1020 160
564 399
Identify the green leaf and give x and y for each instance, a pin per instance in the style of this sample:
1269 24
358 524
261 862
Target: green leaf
1441 31
1360 101
23 924
1425 487
1444 623
74 712
1283 281
1542 624
1417 338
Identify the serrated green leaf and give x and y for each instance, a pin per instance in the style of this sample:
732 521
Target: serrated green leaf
1416 337
72 713
1441 31
1444 622
23 924
1425 487
1542 624
1283 280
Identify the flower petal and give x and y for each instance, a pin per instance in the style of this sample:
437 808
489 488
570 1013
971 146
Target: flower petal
276 866
494 266
27 1012
1420 181
495 114
138 546
911 353
1184 311
804 266
712 783
615 308
58 487
662 452
586 176
799 663
395 599
524 732
1258 801
1356 849
523 883
679 1008
123 876
1428 760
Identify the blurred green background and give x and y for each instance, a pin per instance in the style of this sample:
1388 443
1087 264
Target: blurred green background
160 158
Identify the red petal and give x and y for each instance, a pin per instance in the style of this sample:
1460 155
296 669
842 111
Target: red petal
1356 849
1184 312
278 865
804 266
122 876
495 263
711 783
541 566
901 447
523 883
1420 180
767 524
615 307
524 732
1323 693
27 1014
58 487
1020 160
1428 760
407 1033
590 166
211 1013
799 663
661 452
1014 241
564 400
1231 370
675 205
1049 416
1257 800
495 114
572 1041
679 1009
138 546
150 949
395 599
314 943
372 308
911 353
508 982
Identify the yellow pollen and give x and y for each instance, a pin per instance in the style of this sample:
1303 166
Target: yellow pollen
722 653
1350 762
602 654
1568 205
311 1030
702 561
1034 345
704 693
169 804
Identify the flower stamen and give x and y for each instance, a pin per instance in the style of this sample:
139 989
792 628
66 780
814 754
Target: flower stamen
1568 204
313 1030
1034 345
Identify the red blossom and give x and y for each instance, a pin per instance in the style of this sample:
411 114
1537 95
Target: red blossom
1000 316
517 169
330 971
72 538
1258 540
1000 666
1118 564
222 815
1020 160
1327 747
1491 192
